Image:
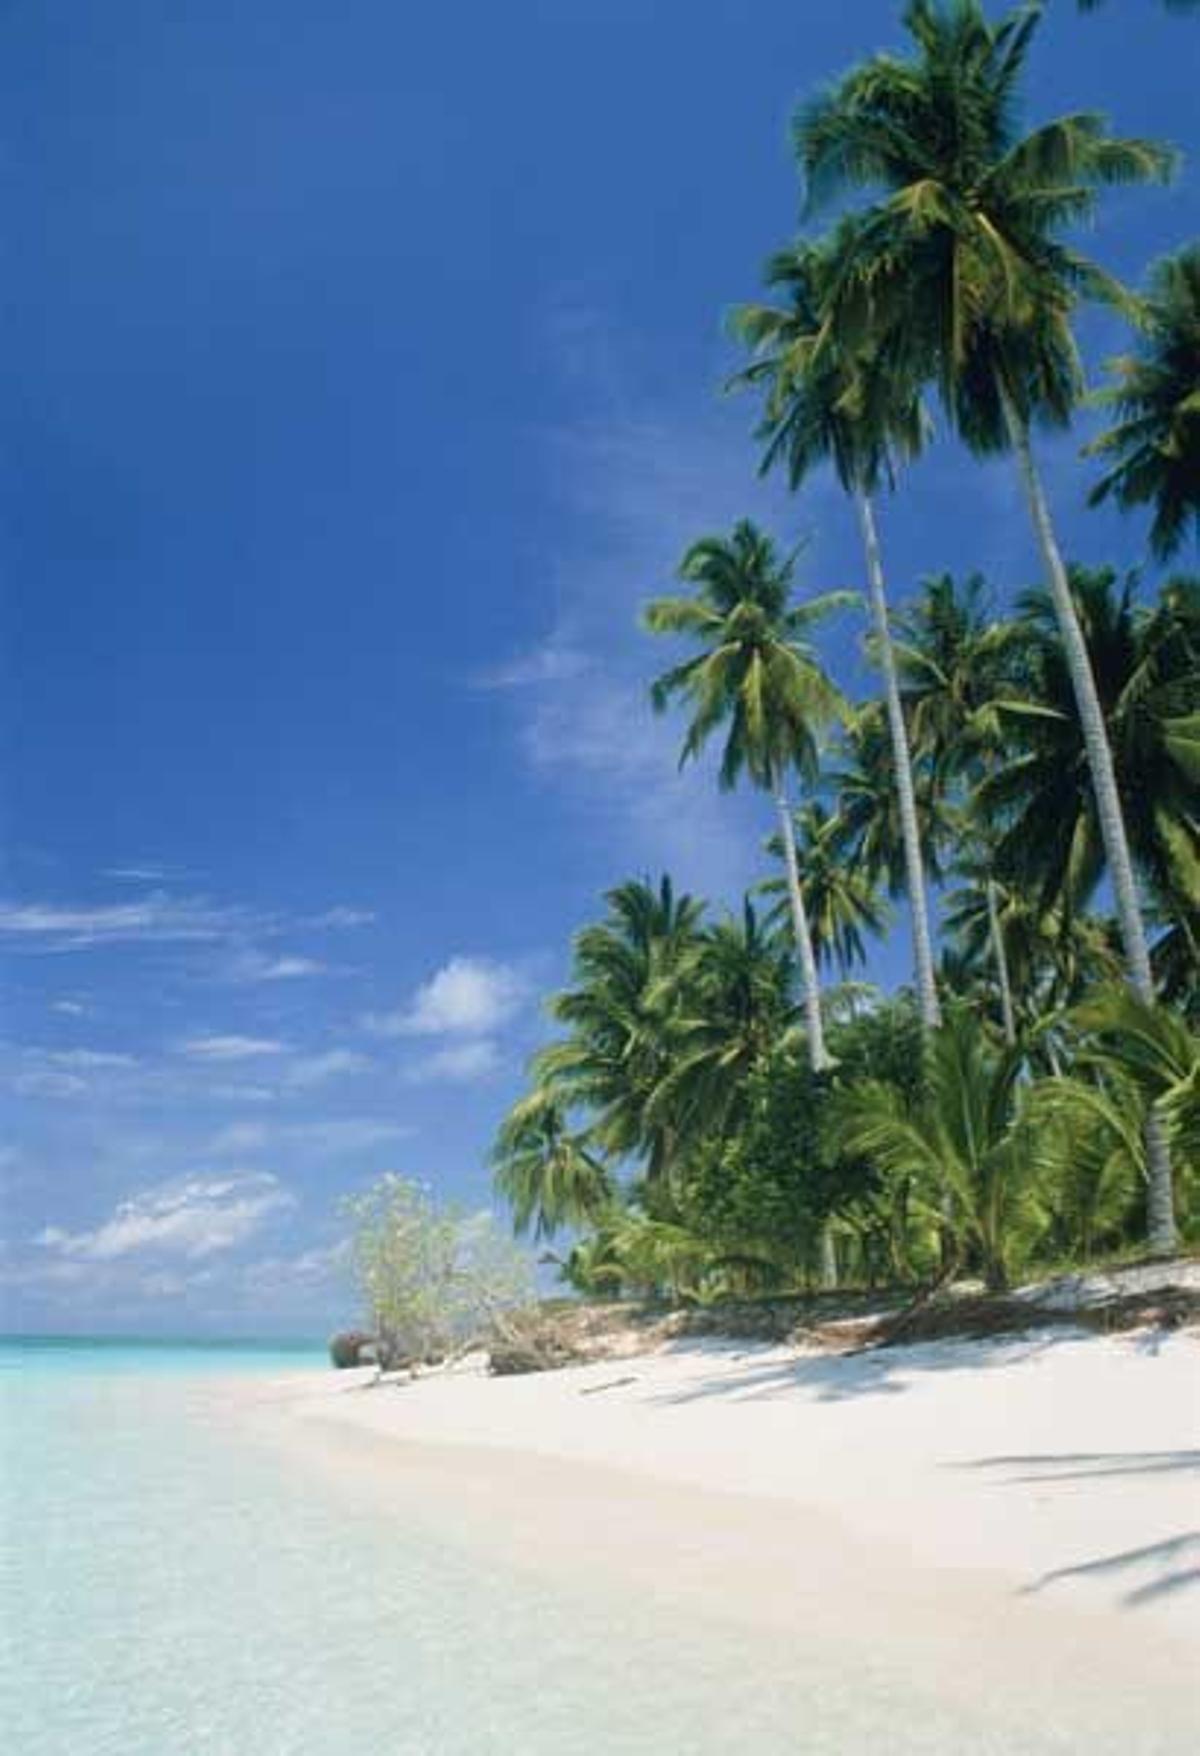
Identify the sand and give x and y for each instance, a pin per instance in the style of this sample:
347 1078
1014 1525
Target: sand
1015 1519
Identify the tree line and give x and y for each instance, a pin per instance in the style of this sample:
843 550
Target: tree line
728 1105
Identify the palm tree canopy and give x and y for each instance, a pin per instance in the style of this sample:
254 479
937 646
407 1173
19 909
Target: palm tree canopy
734 1005
1147 670
959 268
544 1170
956 663
821 404
619 1013
866 829
756 673
840 897
1154 449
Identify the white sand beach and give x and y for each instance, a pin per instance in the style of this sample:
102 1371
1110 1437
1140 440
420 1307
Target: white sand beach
1015 1519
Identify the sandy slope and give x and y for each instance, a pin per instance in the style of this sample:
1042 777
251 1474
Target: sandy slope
994 1516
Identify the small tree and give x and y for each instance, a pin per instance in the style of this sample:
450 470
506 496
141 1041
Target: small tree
432 1279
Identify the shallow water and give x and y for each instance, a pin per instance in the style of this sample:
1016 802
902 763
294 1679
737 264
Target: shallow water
171 1590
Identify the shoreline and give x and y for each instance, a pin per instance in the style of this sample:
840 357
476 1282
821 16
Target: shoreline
969 1516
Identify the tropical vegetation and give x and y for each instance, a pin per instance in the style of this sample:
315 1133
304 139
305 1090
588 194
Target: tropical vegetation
729 1104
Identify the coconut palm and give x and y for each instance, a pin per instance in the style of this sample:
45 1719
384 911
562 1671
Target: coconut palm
1157 1052
545 1170
829 403
733 1006
959 273
840 899
756 676
866 828
955 662
1147 669
1154 449
622 1034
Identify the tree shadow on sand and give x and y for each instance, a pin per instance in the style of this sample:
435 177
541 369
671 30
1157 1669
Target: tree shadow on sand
1163 1557
836 1377
1076 1466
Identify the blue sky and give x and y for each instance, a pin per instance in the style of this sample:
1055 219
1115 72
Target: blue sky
362 370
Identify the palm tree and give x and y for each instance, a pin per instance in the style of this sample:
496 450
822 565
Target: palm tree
954 660
733 1006
967 1133
757 676
840 898
545 1171
1147 669
827 403
620 1014
866 827
960 275
1154 449
1157 1052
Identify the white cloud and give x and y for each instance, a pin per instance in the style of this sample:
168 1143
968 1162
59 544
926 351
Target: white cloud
160 918
308 1070
230 1048
335 1134
554 662
47 1082
147 873
468 996
166 1283
240 1093
257 966
465 1062
309 1268
32 1072
284 969
90 1059
193 1217
342 916
156 918
239 1137
69 1008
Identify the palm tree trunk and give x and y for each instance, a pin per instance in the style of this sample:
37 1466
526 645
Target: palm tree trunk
1001 956
902 762
817 1053
1161 1230
829 1262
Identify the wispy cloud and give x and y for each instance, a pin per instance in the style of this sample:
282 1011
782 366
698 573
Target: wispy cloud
456 1063
342 916
258 966
554 662
161 918
192 1217
636 483
231 1048
468 996
321 1135
32 1071
147 872
157 918
304 1071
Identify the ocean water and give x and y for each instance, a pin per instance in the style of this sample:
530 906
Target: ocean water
170 1591
169 1588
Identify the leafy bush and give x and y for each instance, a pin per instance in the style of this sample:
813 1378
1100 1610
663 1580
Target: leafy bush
431 1279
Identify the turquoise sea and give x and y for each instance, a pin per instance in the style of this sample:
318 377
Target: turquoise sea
170 1591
